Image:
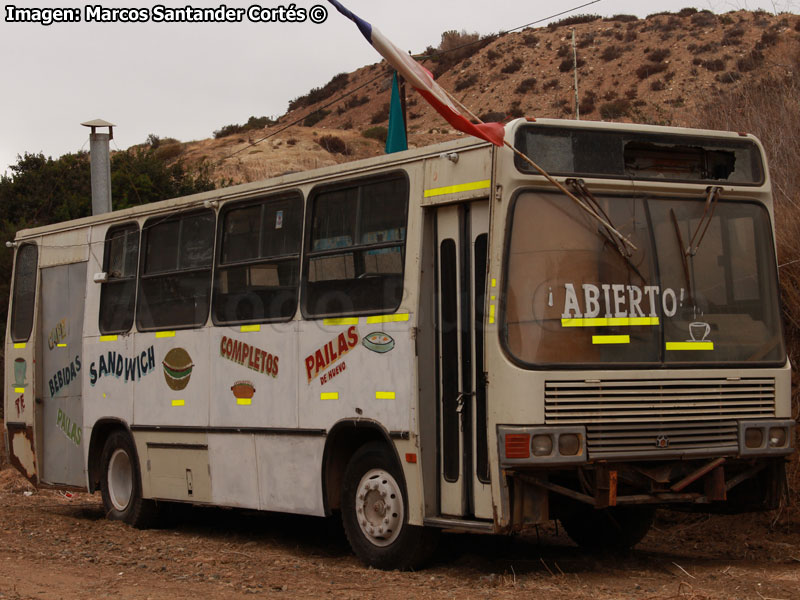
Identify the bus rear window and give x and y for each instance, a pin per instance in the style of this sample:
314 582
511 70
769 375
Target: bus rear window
24 293
356 248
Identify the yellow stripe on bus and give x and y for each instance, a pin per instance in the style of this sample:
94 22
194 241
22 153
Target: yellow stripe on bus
611 339
690 345
108 338
178 402
491 313
165 334
329 396
250 328
388 318
384 395
610 322
345 321
461 187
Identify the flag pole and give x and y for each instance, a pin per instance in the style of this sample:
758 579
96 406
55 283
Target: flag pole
549 178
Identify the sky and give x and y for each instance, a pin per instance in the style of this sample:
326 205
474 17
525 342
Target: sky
185 80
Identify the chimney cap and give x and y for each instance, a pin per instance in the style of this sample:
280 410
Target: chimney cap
98 123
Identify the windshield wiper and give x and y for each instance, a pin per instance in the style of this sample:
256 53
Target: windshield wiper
608 230
711 202
684 256
691 249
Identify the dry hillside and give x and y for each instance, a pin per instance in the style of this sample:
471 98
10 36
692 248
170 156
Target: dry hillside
663 70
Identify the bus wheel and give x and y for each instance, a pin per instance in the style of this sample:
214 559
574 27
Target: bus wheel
375 515
614 529
121 485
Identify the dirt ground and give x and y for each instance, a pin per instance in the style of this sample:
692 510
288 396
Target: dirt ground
53 546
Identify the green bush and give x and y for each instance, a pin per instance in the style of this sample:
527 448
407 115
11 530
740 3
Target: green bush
252 123
380 115
379 133
658 55
334 145
526 85
466 81
315 117
622 18
574 20
615 109
338 82
611 52
513 66
646 70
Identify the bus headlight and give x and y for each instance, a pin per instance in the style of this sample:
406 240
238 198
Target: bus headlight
766 437
777 437
547 446
569 444
542 445
754 437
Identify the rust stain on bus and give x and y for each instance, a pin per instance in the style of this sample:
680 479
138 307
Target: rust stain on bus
22 455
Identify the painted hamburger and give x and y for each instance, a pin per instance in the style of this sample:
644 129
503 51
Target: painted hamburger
177 368
243 390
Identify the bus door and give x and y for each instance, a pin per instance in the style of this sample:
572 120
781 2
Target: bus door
462 236
59 403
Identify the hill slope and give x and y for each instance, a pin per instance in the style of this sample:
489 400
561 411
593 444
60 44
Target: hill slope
659 70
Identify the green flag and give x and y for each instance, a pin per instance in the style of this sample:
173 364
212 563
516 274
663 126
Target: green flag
396 138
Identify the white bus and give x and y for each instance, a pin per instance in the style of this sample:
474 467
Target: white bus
433 339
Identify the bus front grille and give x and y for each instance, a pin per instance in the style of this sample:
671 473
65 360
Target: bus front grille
635 417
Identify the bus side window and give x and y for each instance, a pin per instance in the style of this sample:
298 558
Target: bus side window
24 293
258 260
356 248
118 293
175 271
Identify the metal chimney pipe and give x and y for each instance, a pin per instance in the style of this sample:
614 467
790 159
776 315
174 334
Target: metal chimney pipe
100 165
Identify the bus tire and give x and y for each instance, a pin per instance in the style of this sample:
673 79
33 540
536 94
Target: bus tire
615 529
121 484
375 513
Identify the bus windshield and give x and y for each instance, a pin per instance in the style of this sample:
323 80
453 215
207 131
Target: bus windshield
698 288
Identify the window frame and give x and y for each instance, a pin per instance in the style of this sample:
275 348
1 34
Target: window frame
158 219
106 255
308 254
15 299
261 201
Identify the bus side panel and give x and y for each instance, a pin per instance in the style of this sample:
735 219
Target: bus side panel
234 470
105 394
174 388
255 376
288 473
359 369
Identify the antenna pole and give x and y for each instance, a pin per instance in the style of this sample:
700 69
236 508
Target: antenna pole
575 64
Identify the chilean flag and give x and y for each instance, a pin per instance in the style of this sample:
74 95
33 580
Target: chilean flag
422 80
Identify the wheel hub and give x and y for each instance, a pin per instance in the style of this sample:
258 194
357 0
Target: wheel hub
120 479
379 505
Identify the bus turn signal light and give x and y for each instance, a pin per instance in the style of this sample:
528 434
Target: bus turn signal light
518 445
